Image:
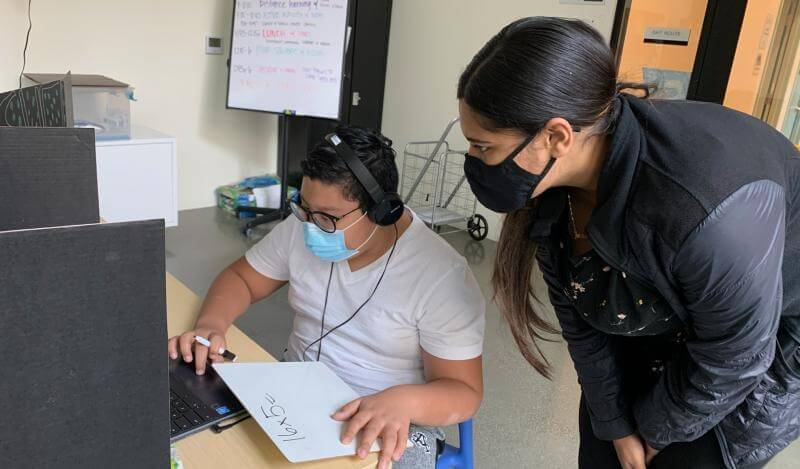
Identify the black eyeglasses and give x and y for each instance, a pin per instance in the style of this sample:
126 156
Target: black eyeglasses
324 221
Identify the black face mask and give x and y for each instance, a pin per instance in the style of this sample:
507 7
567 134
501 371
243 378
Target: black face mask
503 187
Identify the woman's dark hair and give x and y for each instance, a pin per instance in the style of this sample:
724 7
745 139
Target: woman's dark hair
533 70
372 148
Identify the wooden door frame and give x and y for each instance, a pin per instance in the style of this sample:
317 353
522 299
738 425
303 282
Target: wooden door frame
781 67
720 33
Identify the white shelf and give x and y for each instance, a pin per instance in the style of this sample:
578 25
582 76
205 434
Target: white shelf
137 178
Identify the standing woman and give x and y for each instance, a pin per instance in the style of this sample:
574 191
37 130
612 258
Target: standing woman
668 235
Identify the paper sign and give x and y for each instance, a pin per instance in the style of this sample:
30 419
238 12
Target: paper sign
667 35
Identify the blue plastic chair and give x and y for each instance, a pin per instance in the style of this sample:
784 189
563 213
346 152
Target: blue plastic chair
460 457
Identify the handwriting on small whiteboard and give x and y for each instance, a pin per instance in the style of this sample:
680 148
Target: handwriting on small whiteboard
272 410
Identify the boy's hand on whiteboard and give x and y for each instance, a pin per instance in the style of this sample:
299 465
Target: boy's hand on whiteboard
384 415
190 350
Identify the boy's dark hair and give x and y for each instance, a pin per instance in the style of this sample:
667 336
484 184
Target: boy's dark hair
372 148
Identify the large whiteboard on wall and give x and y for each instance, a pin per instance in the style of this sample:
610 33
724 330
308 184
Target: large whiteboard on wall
287 56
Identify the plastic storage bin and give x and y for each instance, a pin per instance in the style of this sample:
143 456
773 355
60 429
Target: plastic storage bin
98 102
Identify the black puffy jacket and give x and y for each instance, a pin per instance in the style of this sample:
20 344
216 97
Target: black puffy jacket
702 204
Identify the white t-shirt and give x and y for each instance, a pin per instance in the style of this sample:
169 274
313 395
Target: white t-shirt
428 298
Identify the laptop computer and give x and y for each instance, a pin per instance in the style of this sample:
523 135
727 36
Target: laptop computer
197 402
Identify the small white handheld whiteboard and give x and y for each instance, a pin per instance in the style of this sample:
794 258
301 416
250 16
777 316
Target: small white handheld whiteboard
293 403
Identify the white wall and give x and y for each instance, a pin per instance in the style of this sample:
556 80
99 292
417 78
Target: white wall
157 47
431 41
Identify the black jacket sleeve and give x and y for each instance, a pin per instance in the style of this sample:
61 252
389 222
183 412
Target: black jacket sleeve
729 272
596 364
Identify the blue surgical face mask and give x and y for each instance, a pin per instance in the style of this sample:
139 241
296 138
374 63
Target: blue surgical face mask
331 247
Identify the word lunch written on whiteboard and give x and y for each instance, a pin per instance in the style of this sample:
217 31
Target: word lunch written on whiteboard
287 56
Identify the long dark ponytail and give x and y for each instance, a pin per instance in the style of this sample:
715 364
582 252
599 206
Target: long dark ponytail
533 70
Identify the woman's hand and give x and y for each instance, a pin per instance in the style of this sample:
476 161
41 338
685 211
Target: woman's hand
650 453
631 452
185 345
384 415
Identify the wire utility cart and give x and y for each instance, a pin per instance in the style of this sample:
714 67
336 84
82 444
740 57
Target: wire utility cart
434 186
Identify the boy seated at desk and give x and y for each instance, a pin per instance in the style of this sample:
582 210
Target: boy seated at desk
388 305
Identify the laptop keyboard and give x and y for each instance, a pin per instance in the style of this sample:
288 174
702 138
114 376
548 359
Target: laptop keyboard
186 412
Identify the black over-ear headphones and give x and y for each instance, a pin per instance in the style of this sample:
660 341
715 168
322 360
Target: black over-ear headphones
386 208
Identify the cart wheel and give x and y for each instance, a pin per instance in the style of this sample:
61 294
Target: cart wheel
247 230
478 227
